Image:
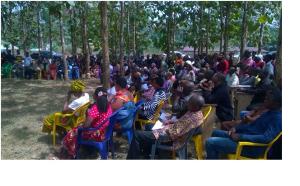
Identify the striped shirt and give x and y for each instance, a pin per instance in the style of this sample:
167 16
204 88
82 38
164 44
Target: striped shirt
150 106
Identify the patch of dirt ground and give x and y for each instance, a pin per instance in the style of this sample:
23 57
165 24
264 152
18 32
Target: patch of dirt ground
24 104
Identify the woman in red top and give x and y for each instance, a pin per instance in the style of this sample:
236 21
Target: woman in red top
98 112
122 96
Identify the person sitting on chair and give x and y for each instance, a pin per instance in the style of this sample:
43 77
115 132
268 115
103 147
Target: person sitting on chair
77 89
170 132
263 130
183 94
97 112
147 110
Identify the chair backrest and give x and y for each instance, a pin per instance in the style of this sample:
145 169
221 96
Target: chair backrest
158 109
112 121
136 97
207 125
271 144
206 111
80 113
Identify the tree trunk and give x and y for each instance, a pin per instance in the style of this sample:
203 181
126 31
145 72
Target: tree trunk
105 49
50 34
168 38
222 27
39 30
226 26
278 64
200 33
207 33
134 29
261 34
85 39
73 35
121 58
244 33
62 41
128 32
173 28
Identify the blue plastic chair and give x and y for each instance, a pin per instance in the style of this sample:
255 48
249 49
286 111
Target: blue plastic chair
129 131
102 146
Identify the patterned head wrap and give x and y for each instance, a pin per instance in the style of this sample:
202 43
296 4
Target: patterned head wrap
77 86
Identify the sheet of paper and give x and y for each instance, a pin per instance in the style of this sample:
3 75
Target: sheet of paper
163 116
158 125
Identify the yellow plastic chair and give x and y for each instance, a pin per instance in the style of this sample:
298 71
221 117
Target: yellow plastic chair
77 117
136 97
143 122
198 142
237 155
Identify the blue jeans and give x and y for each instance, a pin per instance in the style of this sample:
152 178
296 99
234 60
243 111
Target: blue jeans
219 144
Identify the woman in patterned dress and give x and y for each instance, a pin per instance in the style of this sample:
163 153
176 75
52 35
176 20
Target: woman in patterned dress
98 112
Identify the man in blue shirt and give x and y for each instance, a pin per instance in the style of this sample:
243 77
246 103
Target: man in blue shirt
263 130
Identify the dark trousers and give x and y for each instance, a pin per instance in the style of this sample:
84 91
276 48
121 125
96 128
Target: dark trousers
28 73
140 147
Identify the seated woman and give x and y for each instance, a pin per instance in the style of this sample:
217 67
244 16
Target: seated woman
98 112
122 96
147 110
77 87
171 132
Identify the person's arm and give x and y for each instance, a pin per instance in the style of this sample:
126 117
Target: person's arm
267 136
87 122
67 109
116 103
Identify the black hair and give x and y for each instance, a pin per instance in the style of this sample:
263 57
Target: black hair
121 81
196 101
159 81
188 87
101 101
220 77
247 54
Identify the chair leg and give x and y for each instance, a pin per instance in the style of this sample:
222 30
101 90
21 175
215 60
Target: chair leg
153 150
198 146
112 146
103 151
54 134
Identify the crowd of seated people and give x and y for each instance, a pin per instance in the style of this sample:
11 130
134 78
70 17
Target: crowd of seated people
185 87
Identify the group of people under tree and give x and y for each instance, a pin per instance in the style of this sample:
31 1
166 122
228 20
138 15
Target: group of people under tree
185 85
44 66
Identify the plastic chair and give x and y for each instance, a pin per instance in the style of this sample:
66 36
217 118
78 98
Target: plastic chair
143 122
102 146
241 145
182 151
198 142
137 97
77 117
128 132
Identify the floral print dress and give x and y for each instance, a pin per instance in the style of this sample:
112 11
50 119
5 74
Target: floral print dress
70 140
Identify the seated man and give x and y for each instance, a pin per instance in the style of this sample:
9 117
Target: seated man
171 132
263 130
183 94
148 108
219 95
76 89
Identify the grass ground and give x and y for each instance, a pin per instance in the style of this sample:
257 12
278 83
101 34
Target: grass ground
24 104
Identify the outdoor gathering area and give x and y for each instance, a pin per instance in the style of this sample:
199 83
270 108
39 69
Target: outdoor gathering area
141 80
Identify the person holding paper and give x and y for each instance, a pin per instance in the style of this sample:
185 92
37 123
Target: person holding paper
142 141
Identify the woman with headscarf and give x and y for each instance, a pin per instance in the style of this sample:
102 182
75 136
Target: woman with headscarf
77 90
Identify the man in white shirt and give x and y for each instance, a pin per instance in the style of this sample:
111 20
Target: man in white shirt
27 66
